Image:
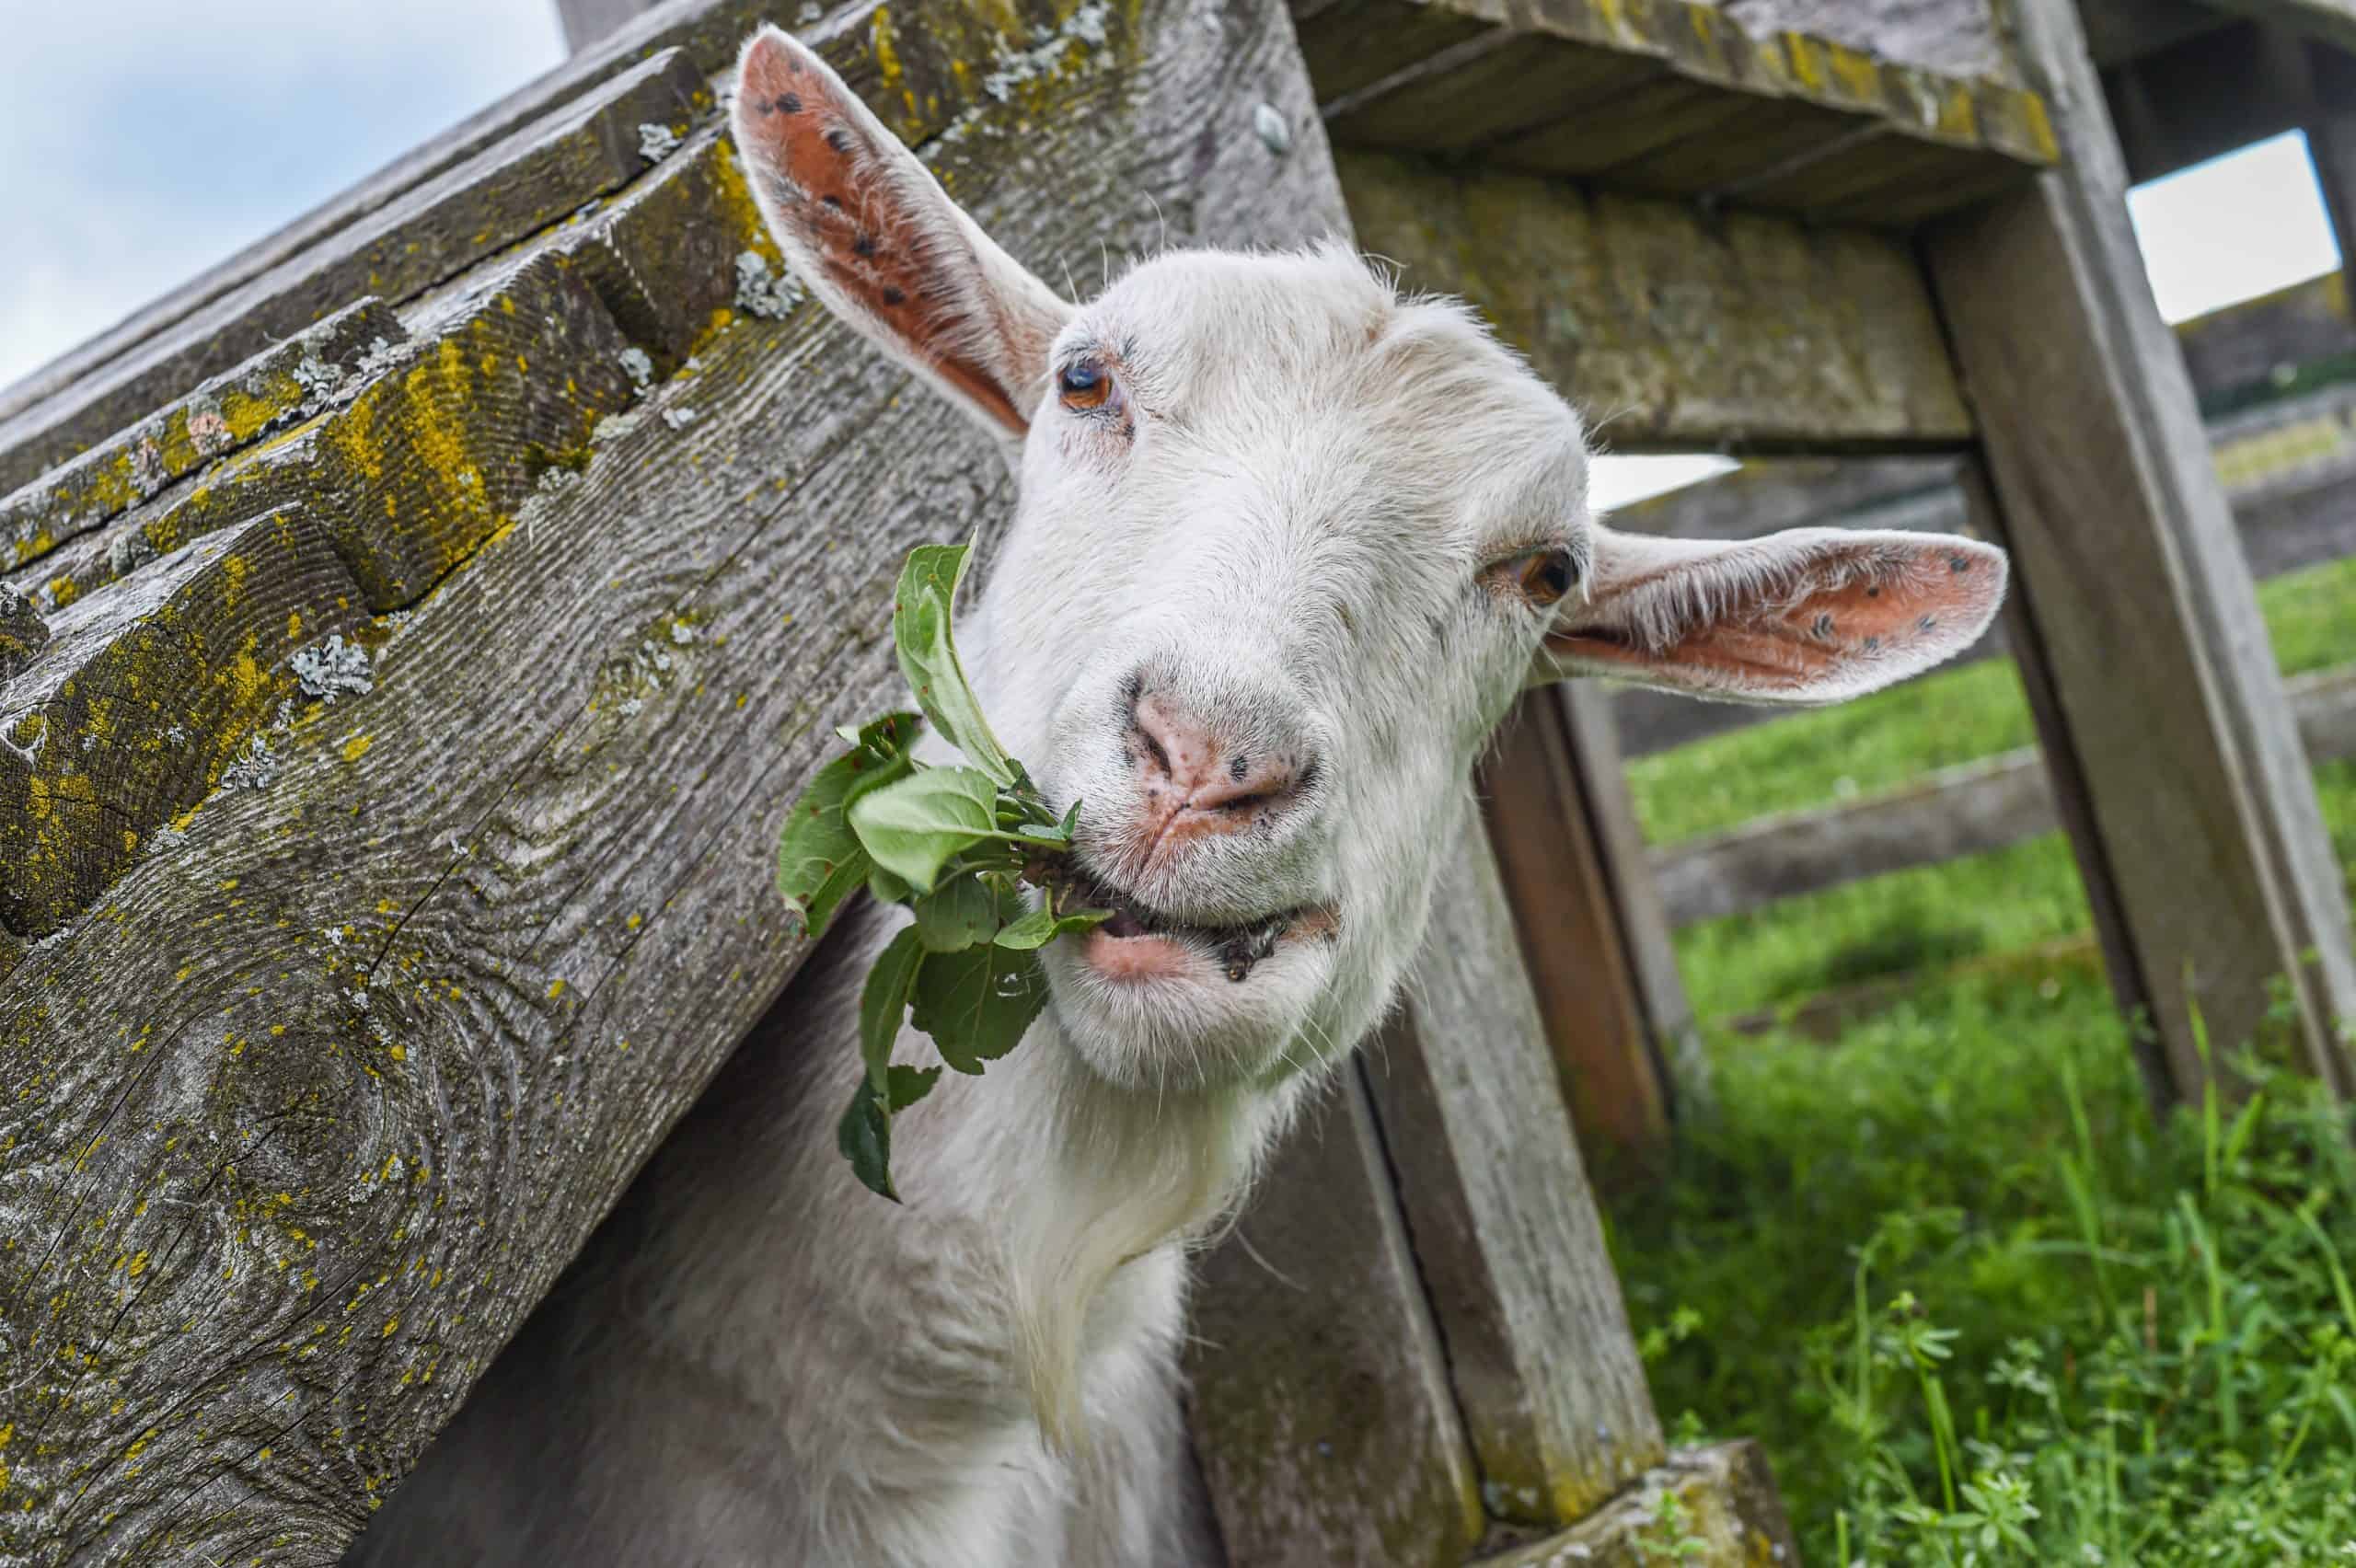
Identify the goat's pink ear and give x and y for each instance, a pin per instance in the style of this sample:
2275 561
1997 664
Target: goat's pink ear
1811 615
872 233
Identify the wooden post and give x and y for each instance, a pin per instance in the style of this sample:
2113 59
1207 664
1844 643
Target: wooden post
2195 814
1544 1368
1320 1406
1592 927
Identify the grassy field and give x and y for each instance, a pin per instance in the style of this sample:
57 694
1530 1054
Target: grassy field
1981 1309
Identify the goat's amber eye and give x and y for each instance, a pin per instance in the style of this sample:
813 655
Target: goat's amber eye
1085 385
1540 576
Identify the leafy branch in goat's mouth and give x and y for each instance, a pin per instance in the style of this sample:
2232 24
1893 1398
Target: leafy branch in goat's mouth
957 845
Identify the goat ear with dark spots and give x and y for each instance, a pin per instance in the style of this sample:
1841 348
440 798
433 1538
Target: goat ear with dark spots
866 226
1808 615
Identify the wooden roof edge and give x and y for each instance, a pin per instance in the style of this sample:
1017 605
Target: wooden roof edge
1703 41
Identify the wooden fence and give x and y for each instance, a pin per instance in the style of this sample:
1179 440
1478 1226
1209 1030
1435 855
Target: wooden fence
433 610
1966 810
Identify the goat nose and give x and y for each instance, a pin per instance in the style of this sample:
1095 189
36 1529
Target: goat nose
1195 778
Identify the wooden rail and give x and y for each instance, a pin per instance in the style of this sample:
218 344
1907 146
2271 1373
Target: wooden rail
1966 810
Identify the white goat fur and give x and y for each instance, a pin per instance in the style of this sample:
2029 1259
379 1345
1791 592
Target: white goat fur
758 1362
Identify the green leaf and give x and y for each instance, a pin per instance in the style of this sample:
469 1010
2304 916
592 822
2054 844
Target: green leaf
960 912
886 888
910 1085
819 857
915 824
864 1135
923 610
977 1004
884 1004
1042 925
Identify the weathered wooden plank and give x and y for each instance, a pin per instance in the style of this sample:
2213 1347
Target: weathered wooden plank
1593 1015
1727 1515
1677 99
273 389
1503 1229
1593 745
139 705
540 849
532 179
1960 38
1966 810
1754 332
2127 566
1320 1403
665 261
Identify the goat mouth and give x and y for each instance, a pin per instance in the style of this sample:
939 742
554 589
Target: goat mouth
1236 947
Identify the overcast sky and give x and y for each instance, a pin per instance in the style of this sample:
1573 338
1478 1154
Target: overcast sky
141 141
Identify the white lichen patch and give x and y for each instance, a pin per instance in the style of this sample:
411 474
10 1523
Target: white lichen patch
613 427
333 668
638 367
1085 26
318 378
253 768
656 143
679 419
164 839
379 354
761 291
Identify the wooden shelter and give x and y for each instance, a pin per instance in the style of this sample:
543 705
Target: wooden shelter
429 613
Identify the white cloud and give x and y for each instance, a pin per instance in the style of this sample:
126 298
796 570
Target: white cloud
145 141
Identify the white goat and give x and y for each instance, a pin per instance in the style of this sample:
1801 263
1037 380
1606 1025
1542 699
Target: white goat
1289 544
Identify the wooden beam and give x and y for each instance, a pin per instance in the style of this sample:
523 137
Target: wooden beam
1727 1515
311 1102
1749 332
1605 1057
1903 114
1505 1231
1593 745
2145 620
1320 1400
1969 809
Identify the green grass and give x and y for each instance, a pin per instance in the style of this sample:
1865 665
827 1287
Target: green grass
1982 1310
1881 742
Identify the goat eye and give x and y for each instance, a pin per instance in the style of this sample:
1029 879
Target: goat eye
1085 385
1540 576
